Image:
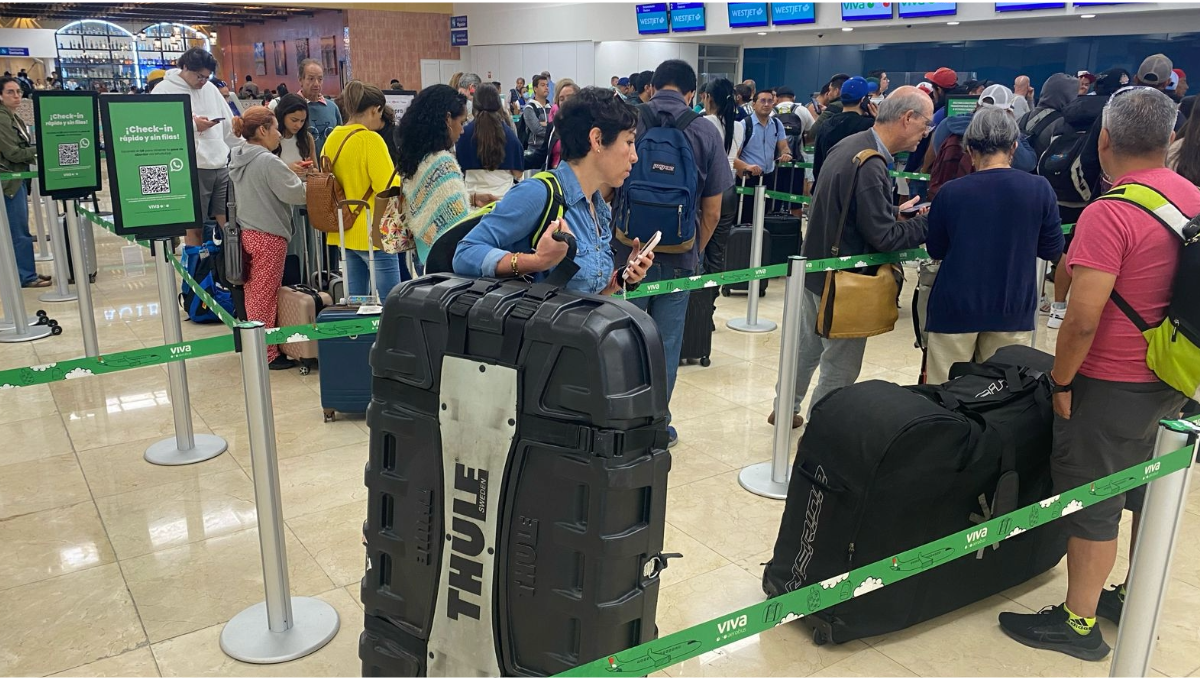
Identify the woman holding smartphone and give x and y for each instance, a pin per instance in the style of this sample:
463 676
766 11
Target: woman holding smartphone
296 143
597 133
266 189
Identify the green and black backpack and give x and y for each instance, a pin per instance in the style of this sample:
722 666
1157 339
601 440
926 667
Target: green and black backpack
441 253
1174 343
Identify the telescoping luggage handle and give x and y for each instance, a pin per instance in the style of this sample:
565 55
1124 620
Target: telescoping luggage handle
370 302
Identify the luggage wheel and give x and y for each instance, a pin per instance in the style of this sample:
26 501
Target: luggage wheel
819 637
305 370
724 291
705 362
329 415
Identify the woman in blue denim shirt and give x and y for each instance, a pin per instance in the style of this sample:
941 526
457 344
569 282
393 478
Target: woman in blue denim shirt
597 133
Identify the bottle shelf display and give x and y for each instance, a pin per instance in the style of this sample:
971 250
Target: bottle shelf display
160 45
91 52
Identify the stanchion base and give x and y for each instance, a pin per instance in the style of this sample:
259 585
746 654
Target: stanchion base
43 258
757 480
744 325
167 452
58 297
248 638
33 333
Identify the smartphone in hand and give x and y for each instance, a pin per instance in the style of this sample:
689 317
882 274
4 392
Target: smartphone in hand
913 210
646 249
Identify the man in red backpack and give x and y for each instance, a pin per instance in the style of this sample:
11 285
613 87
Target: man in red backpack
951 160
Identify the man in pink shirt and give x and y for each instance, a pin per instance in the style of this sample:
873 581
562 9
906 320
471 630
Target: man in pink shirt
1107 402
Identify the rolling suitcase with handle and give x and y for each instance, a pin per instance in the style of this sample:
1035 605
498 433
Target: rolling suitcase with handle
883 469
345 362
516 479
299 305
698 327
738 252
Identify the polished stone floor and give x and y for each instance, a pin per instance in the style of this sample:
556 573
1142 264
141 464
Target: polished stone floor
112 567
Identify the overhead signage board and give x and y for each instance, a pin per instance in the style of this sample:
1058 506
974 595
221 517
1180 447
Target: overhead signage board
1027 6
67 131
458 22
915 10
652 18
866 11
151 156
957 104
687 16
399 100
790 13
748 14
458 37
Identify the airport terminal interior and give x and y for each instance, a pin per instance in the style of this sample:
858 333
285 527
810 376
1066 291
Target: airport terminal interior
112 566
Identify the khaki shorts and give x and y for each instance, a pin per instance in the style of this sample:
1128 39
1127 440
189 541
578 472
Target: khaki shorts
214 190
1113 426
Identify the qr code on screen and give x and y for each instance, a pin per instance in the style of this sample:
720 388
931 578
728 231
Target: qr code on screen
68 154
155 179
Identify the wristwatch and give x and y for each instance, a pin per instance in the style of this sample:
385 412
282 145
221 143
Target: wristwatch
1055 387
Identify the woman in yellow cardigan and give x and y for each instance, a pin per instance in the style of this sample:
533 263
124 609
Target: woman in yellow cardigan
364 168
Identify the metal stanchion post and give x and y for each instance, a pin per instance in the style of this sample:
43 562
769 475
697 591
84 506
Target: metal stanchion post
771 479
58 243
1150 569
282 627
42 255
1037 317
752 324
185 447
87 315
10 291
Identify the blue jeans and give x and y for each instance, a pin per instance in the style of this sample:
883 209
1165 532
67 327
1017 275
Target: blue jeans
17 208
668 312
387 272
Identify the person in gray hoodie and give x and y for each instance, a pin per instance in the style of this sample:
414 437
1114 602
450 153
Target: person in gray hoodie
996 96
266 189
1038 125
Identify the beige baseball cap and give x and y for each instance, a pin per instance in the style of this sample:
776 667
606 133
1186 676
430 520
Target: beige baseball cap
1155 70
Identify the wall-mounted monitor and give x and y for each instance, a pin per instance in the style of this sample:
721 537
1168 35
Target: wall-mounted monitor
866 11
748 14
687 16
1097 4
789 13
652 18
1027 6
913 10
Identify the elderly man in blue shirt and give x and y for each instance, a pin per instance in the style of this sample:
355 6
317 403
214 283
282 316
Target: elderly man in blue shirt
765 144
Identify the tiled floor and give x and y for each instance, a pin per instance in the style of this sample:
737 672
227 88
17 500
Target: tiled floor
110 566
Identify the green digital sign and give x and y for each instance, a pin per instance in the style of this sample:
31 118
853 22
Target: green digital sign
67 133
152 164
959 104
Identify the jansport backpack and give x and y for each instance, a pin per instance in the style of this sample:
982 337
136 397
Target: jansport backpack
951 162
1072 166
1173 350
441 254
660 193
323 192
201 265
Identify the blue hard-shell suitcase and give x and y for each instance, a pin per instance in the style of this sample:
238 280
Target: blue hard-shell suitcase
345 366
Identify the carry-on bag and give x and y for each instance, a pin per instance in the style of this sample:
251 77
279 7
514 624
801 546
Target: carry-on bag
737 256
516 479
883 469
698 327
782 228
300 305
345 362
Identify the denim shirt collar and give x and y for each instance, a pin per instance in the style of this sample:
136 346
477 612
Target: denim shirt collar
887 155
573 193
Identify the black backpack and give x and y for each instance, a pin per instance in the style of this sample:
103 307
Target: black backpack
1072 166
1034 123
523 131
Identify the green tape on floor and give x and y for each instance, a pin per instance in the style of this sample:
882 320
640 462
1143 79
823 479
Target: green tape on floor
743 623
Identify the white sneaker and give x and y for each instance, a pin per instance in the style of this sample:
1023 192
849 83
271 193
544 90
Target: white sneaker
1057 314
1045 306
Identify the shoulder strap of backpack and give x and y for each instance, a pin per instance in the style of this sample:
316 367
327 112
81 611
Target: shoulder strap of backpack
341 147
555 205
1166 213
1047 119
685 119
747 129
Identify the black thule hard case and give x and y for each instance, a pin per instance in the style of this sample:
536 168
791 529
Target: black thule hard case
516 481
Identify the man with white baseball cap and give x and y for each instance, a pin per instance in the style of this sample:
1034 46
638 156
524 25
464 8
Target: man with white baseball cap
993 96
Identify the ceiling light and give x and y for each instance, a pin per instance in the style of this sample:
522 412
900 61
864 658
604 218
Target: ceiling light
1087 16
847 29
762 32
953 23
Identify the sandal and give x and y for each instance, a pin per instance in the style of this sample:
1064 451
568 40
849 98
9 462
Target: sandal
37 283
43 277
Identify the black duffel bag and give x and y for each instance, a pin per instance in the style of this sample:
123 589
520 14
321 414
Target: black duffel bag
884 468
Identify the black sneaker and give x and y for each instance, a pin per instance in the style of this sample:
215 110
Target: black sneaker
281 363
1048 629
1110 605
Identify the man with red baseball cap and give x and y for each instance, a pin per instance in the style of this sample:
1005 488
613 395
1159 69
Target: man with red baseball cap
1177 88
1086 78
940 83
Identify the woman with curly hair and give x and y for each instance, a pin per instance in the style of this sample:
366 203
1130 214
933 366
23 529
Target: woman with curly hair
488 150
435 192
